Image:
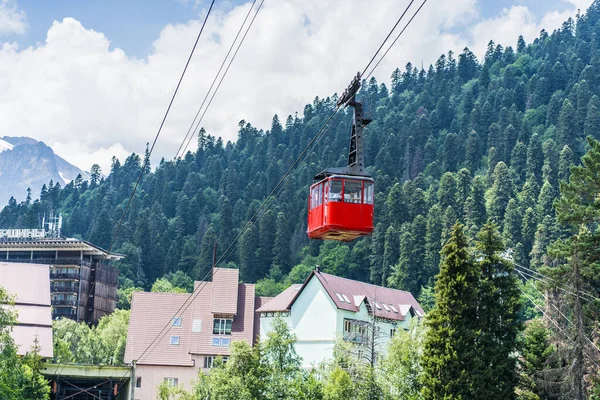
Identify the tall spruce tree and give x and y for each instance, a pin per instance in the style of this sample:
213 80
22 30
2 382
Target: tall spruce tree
449 355
498 306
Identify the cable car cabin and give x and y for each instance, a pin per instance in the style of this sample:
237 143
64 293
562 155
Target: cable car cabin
340 207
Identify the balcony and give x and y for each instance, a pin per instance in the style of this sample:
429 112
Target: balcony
64 289
64 275
50 261
69 303
354 337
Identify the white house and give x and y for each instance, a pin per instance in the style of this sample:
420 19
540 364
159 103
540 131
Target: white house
326 307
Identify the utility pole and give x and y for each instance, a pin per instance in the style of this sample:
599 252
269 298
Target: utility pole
578 365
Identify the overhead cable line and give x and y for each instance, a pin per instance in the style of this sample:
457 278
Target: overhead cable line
223 77
397 37
190 131
560 330
553 282
386 38
147 159
559 311
275 190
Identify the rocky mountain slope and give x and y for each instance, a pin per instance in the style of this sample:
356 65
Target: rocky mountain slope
28 163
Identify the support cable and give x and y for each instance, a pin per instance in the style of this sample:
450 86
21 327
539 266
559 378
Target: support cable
190 131
147 159
275 190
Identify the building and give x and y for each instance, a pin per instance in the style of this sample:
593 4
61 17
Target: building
327 307
199 327
83 286
29 285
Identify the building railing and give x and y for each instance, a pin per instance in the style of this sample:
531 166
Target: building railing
64 275
49 261
354 337
71 303
64 289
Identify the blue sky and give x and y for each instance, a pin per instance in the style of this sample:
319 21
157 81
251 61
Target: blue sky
133 25
92 101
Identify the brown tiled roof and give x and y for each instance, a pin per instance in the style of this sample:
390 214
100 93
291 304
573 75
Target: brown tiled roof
224 283
30 285
150 312
355 292
283 301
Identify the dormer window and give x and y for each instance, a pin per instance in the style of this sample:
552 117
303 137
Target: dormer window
222 326
176 321
394 309
386 307
377 305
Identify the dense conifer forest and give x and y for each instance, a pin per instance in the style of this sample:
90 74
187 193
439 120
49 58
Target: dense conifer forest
462 140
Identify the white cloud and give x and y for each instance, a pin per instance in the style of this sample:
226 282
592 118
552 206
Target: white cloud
12 20
519 20
89 101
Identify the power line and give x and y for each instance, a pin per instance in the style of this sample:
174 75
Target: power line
147 159
190 131
397 37
386 38
197 290
551 281
223 77
559 311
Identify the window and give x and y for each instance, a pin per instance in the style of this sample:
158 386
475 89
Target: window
176 321
385 306
355 331
209 361
335 190
352 191
222 326
196 325
174 340
392 332
393 309
346 298
339 296
377 305
172 381
368 193
138 382
220 342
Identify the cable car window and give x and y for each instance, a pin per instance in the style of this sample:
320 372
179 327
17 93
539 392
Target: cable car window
368 193
320 194
335 190
313 197
352 191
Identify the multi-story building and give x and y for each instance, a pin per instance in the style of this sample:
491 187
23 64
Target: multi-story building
83 286
28 285
173 335
327 308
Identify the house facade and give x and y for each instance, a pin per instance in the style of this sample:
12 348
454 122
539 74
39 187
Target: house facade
29 285
172 336
327 307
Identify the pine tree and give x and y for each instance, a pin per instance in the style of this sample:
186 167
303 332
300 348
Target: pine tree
475 210
449 354
567 159
592 119
518 162
249 242
433 239
447 191
567 126
500 192
267 225
281 248
498 306
513 221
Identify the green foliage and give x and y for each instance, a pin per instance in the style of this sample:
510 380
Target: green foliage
104 344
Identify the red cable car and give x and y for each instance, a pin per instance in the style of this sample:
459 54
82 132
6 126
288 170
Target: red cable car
340 203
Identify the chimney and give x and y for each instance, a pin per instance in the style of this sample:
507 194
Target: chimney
316 268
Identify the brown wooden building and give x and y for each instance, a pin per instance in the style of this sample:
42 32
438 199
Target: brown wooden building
83 285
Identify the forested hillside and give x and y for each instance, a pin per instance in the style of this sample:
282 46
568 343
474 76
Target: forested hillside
464 139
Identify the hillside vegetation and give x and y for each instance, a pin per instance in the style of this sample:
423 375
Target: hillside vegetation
464 139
